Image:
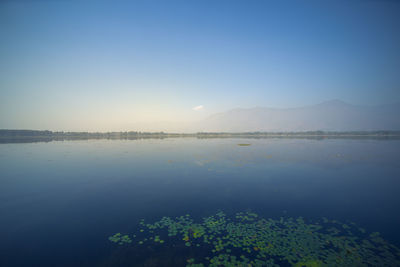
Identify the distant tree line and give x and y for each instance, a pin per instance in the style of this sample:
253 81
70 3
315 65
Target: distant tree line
60 135
306 133
46 133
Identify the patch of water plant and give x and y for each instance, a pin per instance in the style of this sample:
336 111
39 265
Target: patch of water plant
120 239
248 240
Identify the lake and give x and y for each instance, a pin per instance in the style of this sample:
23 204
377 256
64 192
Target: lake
61 201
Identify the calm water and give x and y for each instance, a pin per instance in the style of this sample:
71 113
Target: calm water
60 201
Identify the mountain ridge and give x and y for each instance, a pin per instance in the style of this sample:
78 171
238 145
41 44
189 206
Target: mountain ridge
332 115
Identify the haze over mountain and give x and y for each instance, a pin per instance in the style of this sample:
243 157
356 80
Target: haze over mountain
334 115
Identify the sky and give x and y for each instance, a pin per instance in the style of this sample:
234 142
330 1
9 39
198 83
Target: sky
106 65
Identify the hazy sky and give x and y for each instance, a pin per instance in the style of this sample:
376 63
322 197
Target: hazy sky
104 65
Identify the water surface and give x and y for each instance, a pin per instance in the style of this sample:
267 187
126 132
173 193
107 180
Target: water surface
60 201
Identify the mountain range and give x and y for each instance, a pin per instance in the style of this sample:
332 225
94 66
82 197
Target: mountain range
334 115
329 116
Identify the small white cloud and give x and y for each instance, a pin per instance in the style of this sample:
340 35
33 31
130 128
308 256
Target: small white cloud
197 108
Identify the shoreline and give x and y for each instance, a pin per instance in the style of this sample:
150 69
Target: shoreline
27 136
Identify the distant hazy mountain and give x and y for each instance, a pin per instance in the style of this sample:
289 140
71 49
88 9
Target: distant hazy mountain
333 115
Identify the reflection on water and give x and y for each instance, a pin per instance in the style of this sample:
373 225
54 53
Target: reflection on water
61 201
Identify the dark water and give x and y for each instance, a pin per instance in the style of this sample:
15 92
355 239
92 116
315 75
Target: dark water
60 201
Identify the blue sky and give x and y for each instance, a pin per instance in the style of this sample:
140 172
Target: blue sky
104 65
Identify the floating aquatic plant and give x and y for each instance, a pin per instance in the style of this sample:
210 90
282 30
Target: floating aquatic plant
120 239
270 242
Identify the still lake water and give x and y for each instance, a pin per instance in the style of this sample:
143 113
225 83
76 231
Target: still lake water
60 201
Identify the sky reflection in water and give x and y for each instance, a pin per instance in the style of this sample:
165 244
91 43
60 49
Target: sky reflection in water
60 201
